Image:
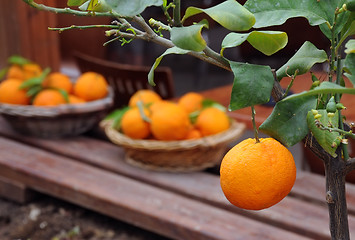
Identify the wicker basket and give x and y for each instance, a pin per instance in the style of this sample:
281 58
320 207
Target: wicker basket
59 121
175 156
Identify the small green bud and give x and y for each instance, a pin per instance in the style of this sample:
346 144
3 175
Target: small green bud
314 112
317 116
315 83
331 105
340 106
330 114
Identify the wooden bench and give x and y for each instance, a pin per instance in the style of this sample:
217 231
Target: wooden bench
92 173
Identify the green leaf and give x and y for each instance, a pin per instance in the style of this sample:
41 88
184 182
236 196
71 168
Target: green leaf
64 94
276 12
96 6
324 137
31 82
287 122
252 85
267 42
72 3
324 88
131 8
350 67
348 32
15 59
116 116
35 80
3 72
172 50
33 91
350 46
303 60
189 38
206 103
230 14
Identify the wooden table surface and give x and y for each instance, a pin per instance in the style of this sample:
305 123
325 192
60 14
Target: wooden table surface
93 173
301 83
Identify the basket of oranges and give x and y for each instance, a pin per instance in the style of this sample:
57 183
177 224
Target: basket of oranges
41 103
190 134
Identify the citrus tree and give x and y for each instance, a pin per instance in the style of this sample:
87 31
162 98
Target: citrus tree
315 114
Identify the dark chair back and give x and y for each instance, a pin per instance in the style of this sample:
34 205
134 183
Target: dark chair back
126 79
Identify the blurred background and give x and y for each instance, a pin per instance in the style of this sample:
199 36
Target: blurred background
24 31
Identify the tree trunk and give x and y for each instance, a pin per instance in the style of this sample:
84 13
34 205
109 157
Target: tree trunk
335 172
336 198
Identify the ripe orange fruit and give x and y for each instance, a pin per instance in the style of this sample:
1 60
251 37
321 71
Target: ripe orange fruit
191 101
58 80
255 176
144 95
31 70
211 121
170 122
133 125
11 93
91 86
49 97
15 71
193 134
154 106
74 99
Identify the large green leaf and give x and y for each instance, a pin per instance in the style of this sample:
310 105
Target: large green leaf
189 38
303 60
252 85
324 137
126 8
276 12
230 14
324 88
267 42
287 122
350 67
172 50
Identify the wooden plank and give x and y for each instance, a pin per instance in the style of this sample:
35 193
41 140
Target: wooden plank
137 203
16 191
291 214
105 155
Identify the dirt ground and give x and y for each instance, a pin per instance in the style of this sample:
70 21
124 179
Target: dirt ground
47 218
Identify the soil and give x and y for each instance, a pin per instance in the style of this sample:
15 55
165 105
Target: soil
46 218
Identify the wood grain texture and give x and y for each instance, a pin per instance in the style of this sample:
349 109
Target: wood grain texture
143 205
304 211
16 191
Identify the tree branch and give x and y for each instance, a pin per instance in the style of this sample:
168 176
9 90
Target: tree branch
350 165
43 7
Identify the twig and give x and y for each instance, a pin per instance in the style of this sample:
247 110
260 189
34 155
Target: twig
67 10
84 27
342 132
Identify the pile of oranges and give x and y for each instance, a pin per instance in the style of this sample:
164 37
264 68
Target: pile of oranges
29 84
148 116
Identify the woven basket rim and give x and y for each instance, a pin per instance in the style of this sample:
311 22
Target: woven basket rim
55 111
235 131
